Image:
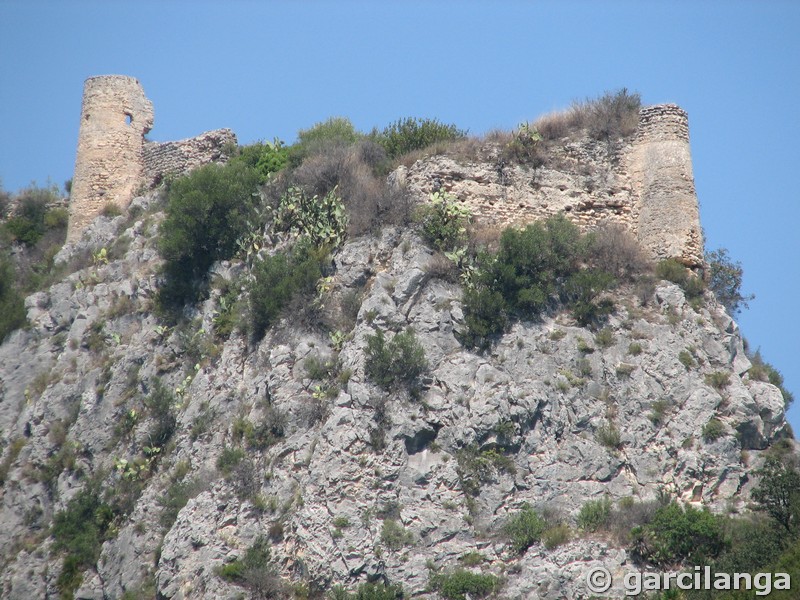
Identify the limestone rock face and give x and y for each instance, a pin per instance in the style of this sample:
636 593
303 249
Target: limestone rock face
351 456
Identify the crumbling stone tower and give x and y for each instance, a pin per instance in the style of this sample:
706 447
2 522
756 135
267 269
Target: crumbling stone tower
668 223
115 116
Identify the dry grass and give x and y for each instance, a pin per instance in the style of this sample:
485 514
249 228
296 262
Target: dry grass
616 251
561 124
369 201
485 236
441 267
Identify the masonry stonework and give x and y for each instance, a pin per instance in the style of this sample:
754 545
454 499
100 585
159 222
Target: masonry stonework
115 116
165 159
645 185
660 167
114 160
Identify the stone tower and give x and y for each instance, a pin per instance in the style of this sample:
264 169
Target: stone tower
115 116
668 224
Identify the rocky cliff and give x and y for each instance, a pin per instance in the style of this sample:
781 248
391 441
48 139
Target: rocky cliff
205 444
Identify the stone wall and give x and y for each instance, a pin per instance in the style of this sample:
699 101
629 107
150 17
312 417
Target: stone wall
176 158
114 160
115 115
645 185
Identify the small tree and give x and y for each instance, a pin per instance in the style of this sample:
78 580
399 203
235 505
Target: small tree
725 280
778 493
207 212
676 534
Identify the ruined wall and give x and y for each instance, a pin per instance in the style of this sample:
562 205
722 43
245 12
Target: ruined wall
176 158
114 160
115 115
646 185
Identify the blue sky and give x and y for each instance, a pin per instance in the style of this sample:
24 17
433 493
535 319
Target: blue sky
268 69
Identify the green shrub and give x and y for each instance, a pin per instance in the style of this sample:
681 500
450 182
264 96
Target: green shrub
609 436
556 536
477 466
526 147
594 514
778 492
472 559
278 279
686 359
12 304
207 212
28 224
56 218
713 430
268 431
160 407
368 591
341 522
659 409
625 369
444 221
176 497
254 572
406 135
79 531
228 459
672 270
457 584
581 292
265 157
485 317
111 210
725 280
524 529
604 338
634 349
718 379
318 369
321 138
676 534
394 536
535 269
398 363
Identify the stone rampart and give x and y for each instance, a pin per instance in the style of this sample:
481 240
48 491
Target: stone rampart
177 158
646 185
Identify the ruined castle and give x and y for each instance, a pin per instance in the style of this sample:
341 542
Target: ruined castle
649 189
114 160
